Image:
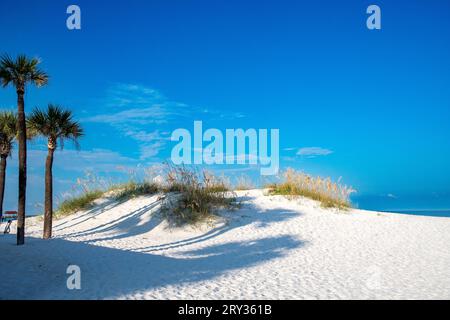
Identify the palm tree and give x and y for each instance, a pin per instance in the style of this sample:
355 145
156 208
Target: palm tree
57 125
19 73
8 132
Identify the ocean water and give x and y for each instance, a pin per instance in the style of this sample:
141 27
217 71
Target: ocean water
424 205
424 212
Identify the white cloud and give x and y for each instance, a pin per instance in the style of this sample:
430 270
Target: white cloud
123 95
144 136
132 108
289 159
150 150
137 104
147 115
313 152
98 160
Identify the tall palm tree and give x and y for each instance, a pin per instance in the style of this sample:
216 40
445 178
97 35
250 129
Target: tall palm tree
57 125
8 132
20 72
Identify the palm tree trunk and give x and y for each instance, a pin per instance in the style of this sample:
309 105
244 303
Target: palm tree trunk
22 139
48 215
2 181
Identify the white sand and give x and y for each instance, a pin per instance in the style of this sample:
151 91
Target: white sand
273 248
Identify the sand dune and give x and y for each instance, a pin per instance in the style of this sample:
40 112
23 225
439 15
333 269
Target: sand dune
272 248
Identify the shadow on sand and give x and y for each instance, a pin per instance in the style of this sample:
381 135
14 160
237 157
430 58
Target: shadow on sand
90 213
129 225
38 270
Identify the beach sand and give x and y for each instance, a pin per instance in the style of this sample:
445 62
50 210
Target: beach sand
271 248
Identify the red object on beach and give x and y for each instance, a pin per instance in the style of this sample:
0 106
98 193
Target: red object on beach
8 215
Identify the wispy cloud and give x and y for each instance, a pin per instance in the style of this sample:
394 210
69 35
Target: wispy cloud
289 159
313 152
148 115
98 160
150 150
137 104
132 109
217 115
145 136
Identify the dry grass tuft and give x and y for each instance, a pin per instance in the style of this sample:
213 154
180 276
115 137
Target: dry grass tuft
330 194
244 182
198 196
134 189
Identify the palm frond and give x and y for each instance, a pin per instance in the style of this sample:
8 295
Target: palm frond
21 71
8 131
55 123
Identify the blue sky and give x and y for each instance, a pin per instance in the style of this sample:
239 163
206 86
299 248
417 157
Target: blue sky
370 106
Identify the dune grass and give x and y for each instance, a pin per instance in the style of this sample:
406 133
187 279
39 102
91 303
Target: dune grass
244 182
197 196
193 197
78 203
329 194
120 192
134 189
